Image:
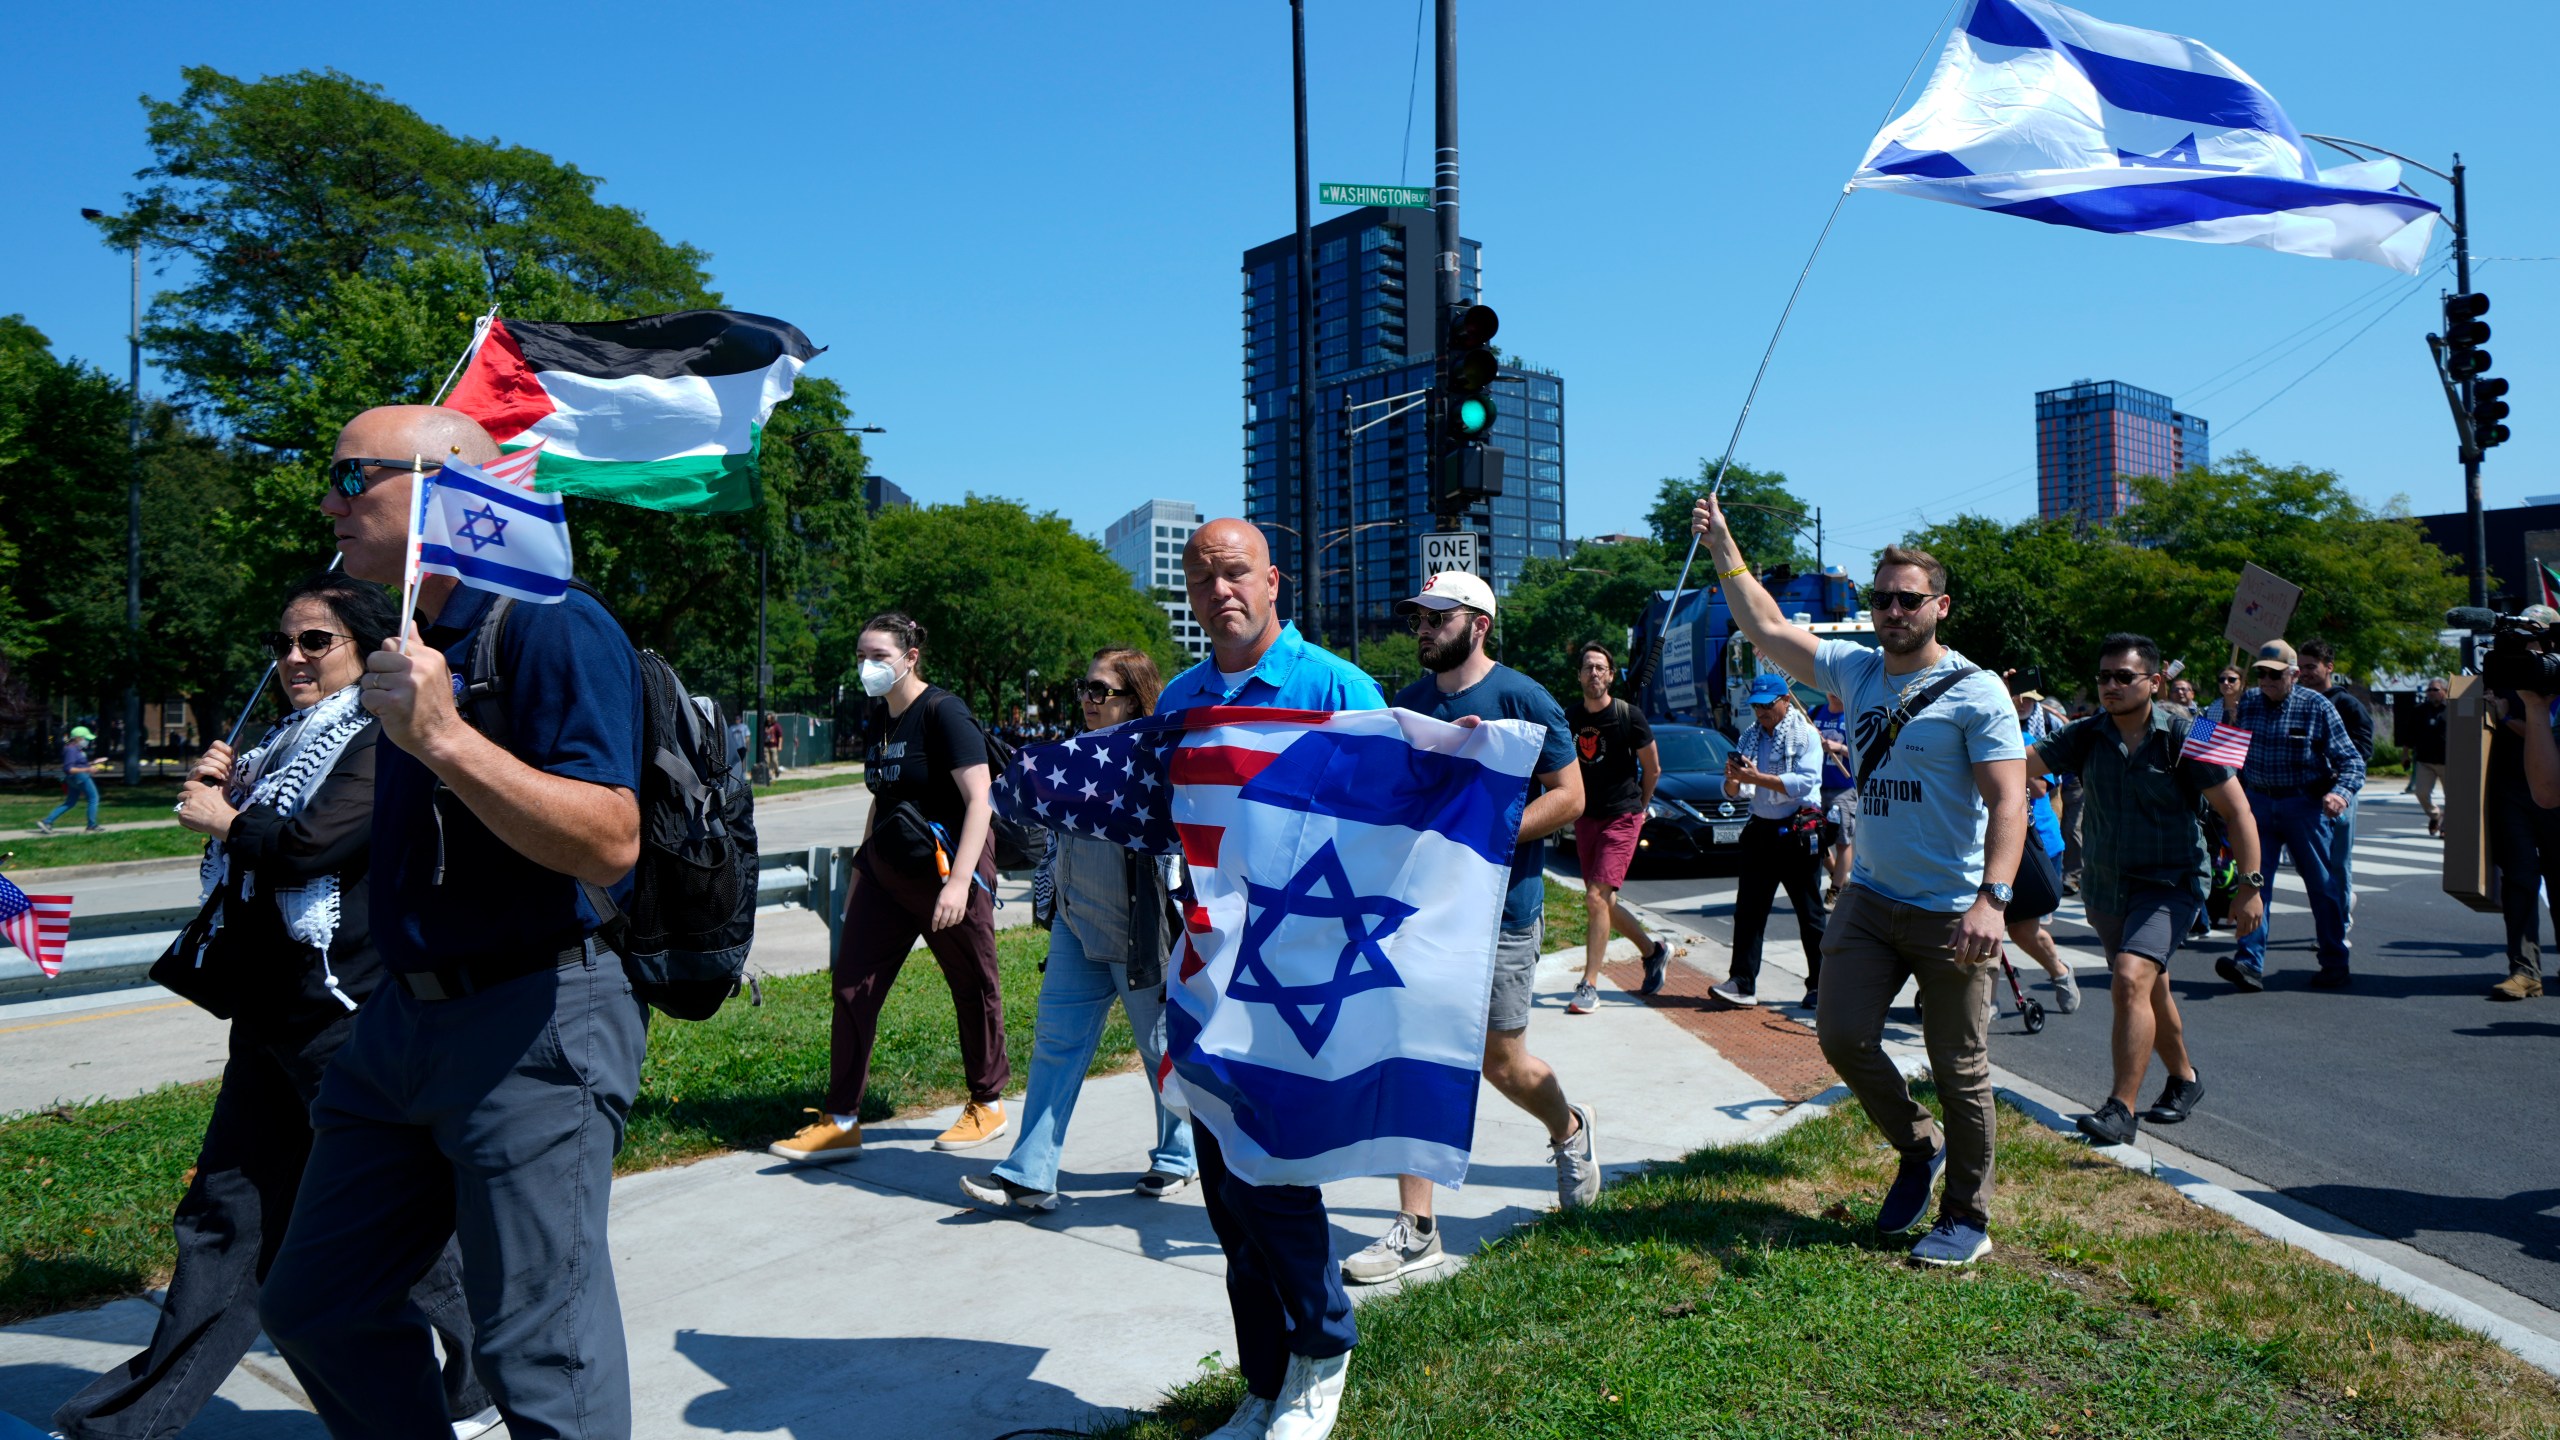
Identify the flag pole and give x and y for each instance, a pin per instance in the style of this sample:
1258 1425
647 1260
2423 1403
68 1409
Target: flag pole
409 561
479 332
1653 654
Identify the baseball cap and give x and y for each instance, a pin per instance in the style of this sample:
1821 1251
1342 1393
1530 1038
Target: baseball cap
2274 655
83 732
1450 589
2029 695
1768 688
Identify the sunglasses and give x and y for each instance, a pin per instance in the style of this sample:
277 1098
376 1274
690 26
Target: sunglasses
312 643
349 478
2123 677
1423 620
1098 691
1899 599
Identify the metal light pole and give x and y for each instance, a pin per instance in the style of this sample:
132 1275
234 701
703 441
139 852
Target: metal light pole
1444 206
132 516
1303 394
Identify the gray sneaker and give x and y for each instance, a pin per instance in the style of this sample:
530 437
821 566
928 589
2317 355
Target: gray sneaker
1401 1251
998 1193
1952 1242
44 826
1577 1173
1586 998
2066 992
1733 994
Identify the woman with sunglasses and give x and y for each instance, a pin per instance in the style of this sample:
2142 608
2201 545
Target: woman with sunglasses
2231 685
1111 924
283 950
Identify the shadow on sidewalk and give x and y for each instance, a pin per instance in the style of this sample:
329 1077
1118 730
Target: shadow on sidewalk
32 1391
880 1389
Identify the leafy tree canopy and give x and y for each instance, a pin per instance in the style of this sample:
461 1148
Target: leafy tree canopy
1758 504
1598 592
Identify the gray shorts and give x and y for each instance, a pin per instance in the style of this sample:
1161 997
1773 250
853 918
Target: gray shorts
1515 968
2155 923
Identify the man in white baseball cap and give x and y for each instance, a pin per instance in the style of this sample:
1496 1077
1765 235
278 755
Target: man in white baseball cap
1452 618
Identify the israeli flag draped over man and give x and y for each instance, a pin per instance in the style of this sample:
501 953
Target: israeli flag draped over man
1326 1007
2043 112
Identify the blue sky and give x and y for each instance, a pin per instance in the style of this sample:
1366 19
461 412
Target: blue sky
1018 225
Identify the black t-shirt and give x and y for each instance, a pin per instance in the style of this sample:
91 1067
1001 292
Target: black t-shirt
1607 743
2427 745
911 756
2359 720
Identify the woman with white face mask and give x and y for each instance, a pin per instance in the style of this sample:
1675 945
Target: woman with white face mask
926 868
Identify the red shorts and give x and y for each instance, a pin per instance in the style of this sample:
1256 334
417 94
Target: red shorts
1606 847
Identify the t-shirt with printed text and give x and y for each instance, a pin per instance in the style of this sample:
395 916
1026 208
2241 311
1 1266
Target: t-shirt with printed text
1921 819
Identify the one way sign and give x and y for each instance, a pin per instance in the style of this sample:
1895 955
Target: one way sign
1450 551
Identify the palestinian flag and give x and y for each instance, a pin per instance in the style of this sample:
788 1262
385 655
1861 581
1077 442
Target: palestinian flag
2550 583
665 412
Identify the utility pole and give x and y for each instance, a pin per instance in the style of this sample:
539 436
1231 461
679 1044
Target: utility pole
133 537
2470 452
1303 394
1444 210
757 774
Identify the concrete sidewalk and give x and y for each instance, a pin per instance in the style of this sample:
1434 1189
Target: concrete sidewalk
869 1299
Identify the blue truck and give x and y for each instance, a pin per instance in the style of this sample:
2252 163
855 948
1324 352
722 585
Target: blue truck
1707 666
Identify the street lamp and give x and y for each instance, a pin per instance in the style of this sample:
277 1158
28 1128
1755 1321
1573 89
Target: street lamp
132 512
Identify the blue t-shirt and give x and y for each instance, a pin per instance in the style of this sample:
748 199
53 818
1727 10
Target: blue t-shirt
73 758
1830 724
1292 675
573 709
1506 694
1921 819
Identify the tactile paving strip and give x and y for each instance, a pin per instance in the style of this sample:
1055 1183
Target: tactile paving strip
1775 1049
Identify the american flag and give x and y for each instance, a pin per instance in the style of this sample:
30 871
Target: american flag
1111 784
2217 744
39 925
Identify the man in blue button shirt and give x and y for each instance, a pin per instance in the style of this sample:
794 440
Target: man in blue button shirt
1293 1320
484 1091
2302 771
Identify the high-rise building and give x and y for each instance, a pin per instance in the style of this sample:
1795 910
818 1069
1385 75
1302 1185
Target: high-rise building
2092 435
880 493
1148 544
1374 338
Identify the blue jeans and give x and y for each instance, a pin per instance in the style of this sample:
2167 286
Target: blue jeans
73 788
1075 1003
2342 854
2297 825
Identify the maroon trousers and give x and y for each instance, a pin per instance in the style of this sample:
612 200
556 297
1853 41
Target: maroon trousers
884 912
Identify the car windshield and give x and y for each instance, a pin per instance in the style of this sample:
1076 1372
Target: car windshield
1692 750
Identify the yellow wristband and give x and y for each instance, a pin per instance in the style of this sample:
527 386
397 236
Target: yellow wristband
1736 570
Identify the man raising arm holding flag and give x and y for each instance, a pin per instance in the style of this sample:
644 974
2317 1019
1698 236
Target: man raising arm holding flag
1942 819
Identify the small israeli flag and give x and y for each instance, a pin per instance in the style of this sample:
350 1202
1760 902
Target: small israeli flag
2043 112
493 535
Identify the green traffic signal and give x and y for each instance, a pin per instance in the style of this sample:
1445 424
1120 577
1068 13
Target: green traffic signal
1475 417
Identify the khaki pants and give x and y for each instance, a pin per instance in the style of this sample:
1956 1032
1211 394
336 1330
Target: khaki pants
2424 777
1871 946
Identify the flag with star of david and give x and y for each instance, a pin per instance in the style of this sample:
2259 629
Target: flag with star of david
1326 1002
486 527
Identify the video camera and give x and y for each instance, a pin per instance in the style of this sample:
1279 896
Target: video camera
2516 659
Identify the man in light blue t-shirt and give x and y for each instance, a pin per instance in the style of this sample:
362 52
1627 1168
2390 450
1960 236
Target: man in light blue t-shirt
1941 801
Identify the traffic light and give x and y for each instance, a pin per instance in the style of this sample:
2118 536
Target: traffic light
2464 333
2488 411
1466 469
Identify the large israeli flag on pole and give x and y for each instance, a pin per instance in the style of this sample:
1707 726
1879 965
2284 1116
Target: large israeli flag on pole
2043 112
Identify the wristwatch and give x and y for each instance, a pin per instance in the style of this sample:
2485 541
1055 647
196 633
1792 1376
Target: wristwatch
1999 894
2254 880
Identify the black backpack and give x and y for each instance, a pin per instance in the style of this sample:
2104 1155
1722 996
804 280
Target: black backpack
692 919
1018 844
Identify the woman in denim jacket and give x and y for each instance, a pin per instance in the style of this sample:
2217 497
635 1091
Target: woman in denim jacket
1111 925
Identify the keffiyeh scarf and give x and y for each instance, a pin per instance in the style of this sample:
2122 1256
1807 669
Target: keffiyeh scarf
284 771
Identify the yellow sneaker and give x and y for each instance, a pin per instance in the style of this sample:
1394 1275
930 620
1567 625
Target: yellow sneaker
820 1142
979 1123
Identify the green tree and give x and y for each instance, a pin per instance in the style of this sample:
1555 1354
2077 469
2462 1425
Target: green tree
1598 592
1003 590
2021 593
1394 660
1758 504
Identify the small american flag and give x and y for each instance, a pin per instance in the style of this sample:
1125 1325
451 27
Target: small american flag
1109 784
2217 744
39 925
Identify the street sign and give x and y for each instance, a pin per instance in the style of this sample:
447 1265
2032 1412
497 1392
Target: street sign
1400 196
1450 551
2261 609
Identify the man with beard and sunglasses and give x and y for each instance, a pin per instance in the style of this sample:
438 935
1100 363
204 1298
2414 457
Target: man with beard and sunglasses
1450 619
1942 821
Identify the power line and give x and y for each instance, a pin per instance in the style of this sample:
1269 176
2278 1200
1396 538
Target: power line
2332 355
2356 301
2363 305
1413 87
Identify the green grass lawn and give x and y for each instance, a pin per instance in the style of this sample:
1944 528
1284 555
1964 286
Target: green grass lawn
812 782
1744 1292
35 852
86 1191
23 802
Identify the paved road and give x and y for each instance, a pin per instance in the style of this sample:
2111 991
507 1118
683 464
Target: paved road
2410 1105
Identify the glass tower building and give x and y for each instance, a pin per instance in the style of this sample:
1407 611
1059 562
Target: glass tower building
1374 340
2092 435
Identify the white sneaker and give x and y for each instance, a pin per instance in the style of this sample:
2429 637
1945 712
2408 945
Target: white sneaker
1310 1398
1586 998
1252 1421
2066 993
477 1426
1732 994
